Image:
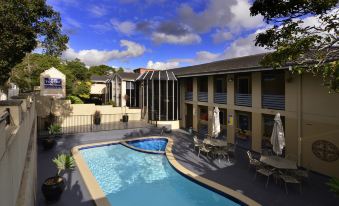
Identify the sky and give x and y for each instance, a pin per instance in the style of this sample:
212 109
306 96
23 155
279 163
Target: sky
159 34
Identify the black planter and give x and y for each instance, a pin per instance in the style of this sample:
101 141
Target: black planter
97 121
52 189
48 143
125 118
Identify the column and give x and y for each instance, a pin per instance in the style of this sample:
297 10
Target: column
230 108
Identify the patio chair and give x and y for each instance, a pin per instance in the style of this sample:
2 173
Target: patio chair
301 174
253 162
288 179
265 172
204 149
221 152
197 143
231 149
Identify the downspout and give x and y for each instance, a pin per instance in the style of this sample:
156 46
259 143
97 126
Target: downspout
300 93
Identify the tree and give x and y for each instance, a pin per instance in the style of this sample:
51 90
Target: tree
308 48
78 69
27 74
23 25
101 70
120 70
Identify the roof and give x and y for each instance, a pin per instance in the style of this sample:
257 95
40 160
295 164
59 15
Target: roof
240 64
127 75
97 78
156 75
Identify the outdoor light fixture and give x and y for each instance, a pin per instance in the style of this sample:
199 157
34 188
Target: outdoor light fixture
230 79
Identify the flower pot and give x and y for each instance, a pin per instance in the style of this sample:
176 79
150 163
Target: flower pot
97 121
52 188
48 143
125 118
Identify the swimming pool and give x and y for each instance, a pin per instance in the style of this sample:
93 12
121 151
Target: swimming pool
151 145
128 177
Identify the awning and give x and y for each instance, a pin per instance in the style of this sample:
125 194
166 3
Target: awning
98 89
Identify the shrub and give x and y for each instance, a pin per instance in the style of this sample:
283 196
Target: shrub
111 102
75 100
54 129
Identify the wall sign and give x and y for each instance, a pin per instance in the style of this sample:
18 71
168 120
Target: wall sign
52 83
325 150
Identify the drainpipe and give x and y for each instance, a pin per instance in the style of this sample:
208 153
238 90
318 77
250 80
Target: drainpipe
299 119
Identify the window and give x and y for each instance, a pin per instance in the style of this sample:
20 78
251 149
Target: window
203 84
189 85
244 85
204 113
220 86
223 117
244 122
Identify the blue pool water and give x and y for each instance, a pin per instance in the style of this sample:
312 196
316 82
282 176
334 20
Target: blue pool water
129 178
150 144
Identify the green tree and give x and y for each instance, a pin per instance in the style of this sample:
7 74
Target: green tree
120 70
101 70
23 25
78 69
309 48
27 73
82 89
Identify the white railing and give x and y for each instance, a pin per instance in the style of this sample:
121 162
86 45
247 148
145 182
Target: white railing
273 101
243 100
189 96
203 96
220 98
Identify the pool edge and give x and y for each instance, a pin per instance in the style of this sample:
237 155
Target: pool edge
99 196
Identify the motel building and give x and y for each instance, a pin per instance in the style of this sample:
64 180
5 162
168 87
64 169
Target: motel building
248 97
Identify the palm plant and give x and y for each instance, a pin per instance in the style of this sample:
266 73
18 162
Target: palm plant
334 185
63 162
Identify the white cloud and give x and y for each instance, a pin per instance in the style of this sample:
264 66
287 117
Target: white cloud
98 10
230 15
93 57
162 65
125 27
220 36
188 38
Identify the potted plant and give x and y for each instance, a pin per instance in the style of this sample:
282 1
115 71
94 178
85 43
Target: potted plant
53 187
97 117
54 131
334 185
125 116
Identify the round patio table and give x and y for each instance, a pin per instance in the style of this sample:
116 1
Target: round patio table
278 162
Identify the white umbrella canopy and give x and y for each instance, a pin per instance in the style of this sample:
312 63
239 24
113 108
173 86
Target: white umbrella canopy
278 137
216 122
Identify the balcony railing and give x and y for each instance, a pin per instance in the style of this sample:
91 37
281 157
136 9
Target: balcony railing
203 96
273 101
189 96
243 100
220 98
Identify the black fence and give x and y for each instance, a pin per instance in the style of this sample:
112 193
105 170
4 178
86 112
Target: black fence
87 123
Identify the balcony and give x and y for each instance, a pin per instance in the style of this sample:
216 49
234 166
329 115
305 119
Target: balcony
273 101
243 100
189 96
220 98
203 96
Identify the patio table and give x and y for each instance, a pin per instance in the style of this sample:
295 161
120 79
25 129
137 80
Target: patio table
278 162
215 142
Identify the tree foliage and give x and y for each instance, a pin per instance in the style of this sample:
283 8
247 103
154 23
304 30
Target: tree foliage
23 25
101 70
120 70
308 47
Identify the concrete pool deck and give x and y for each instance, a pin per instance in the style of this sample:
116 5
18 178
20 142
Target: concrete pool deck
235 175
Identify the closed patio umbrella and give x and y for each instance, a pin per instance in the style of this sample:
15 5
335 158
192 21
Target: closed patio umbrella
278 137
216 122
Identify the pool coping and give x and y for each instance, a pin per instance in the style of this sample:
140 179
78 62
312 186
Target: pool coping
99 196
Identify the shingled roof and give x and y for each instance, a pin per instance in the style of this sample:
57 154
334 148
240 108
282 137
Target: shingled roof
128 75
240 64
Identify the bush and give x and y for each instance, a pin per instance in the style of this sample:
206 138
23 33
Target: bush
111 102
75 100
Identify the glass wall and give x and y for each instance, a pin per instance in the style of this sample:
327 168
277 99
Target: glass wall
243 136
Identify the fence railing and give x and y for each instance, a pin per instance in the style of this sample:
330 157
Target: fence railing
220 98
203 96
88 123
273 101
189 96
243 100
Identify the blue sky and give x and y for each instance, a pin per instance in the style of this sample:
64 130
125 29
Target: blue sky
157 33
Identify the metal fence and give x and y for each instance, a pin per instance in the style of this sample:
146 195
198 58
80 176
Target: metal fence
87 123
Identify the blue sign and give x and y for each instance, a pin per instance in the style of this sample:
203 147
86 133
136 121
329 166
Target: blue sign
53 83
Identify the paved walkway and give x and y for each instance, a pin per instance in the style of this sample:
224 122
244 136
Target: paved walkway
235 175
